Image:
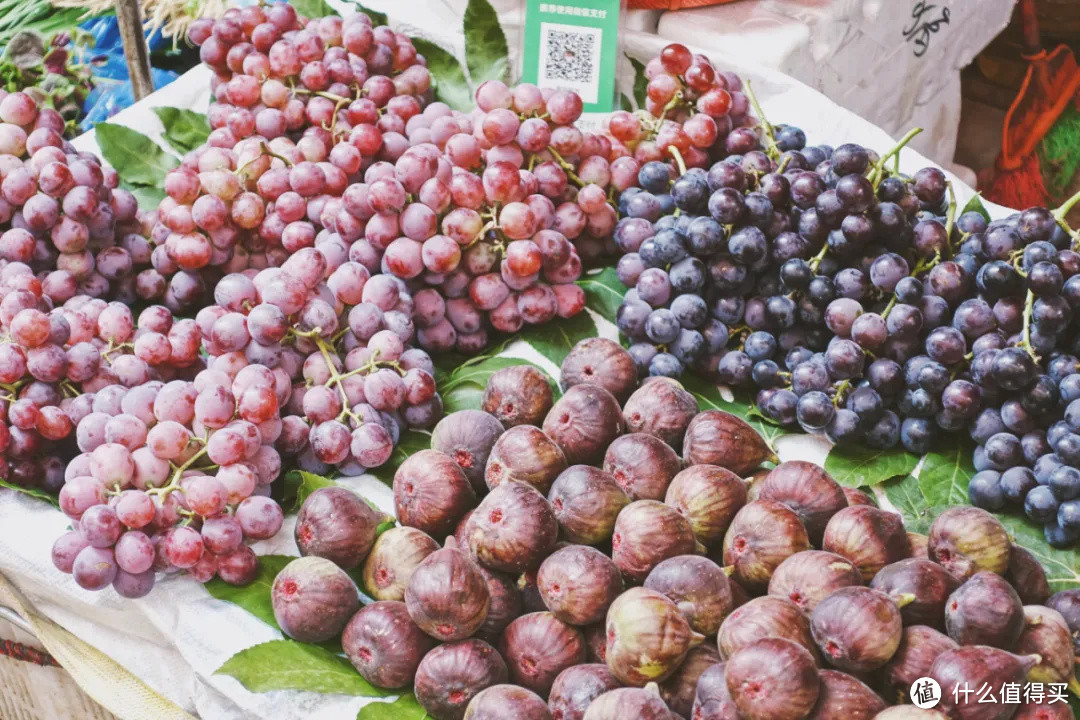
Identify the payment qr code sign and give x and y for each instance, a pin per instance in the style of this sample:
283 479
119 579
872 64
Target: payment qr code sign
570 58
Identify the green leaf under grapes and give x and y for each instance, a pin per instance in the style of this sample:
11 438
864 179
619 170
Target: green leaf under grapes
603 292
451 85
255 598
945 474
1062 566
975 204
291 665
147 197
905 496
486 52
377 18
709 398
404 708
32 492
300 484
859 466
185 129
553 340
312 8
463 389
640 81
411 441
138 160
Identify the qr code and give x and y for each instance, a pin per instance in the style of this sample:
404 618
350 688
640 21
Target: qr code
570 59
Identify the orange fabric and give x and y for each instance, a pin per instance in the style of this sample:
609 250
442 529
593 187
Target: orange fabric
1020 187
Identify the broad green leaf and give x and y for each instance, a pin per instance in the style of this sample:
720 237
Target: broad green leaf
603 292
486 52
32 492
464 388
553 340
859 466
1062 566
451 85
300 484
185 129
312 8
404 708
626 103
411 441
975 204
945 474
137 159
377 18
905 496
147 197
255 598
291 665
640 81
709 398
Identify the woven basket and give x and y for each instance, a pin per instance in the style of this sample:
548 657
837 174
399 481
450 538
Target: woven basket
673 4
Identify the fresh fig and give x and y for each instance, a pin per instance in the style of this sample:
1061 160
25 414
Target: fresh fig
596 642
578 583
539 646
857 629
678 690
808 490
451 675
643 465
762 535
869 537
698 587
708 496
985 610
928 585
499 702
661 407
1067 602
765 617
505 604
968 539
808 577
384 644
977 667
715 437
447 596
648 532
624 703
599 361
1047 635
530 593
576 687
586 501
525 454
513 529
712 701
919 647
773 679
335 523
1044 711
1027 575
431 493
754 481
312 599
647 637
583 422
855 496
517 395
842 696
468 436
393 558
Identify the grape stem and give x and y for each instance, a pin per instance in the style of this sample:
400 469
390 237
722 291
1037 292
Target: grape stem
840 390
877 173
678 159
174 483
950 216
1061 212
335 377
1029 306
766 126
815 262
567 167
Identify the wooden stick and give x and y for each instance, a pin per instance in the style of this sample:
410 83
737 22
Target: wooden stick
129 18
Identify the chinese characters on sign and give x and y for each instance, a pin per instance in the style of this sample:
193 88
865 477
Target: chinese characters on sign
555 9
927 21
926 693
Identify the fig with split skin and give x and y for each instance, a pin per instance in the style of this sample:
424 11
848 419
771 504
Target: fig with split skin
447 595
857 629
842 696
1027 575
393 558
431 493
715 437
869 537
661 407
539 646
623 703
968 539
976 666
576 687
647 637
678 691
712 701
583 422
808 577
586 501
648 532
808 490
708 496
578 584
985 610
643 465
773 679
513 529
1047 635
451 675
335 523
765 617
599 361
385 645
524 454
698 587
313 599
762 535
919 647
517 395
467 436
928 585
499 702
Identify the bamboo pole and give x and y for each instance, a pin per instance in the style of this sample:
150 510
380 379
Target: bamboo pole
129 18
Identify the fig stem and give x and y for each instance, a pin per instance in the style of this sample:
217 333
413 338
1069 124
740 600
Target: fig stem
904 599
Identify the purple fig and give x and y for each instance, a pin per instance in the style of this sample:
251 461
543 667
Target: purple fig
539 646
974 668
762 535
596 642
624 703
699 588
586 501
517 395
451 675
525 454
909 712
754 481
1047 635
1045 711
1067 602
467 436
715 437
928 584
513 528
919 647
576 687
505 604
808 490
661 407
447 596
712 701
857 629
602 362
578 583
1027 575
459 530
647 637
678 690
385 645
431 493
843 696
335 523
869 537
643 465
985 610
648 532
708 496
529 591
855 496
919 545
583 422
499 702
312 599
808 577
393 558
968 539
773 679
761 618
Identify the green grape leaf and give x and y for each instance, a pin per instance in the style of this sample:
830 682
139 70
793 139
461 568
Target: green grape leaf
709 398
300 484
859 466
404 708
1062 566
640 81
451 85
32 492
138 160
255 598
603 292
147 197
945 474
907 498
626 103
975 204
411 441
185 130
553 340
486 52
291 665
377 18
463 389
313 8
